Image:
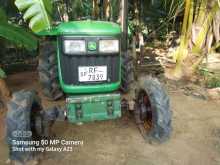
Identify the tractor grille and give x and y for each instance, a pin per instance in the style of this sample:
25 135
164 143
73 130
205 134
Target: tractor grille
70 64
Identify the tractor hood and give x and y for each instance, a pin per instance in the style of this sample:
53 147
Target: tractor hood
88 28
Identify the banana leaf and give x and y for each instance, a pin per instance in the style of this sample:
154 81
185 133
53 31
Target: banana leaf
37 12
18 36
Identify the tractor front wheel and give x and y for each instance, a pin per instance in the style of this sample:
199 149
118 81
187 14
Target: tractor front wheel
152 110
48 71
127 72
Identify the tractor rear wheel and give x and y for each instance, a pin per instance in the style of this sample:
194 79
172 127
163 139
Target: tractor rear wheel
152 110
48 71
127 72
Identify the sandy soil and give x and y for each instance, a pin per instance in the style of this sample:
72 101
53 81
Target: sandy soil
195 139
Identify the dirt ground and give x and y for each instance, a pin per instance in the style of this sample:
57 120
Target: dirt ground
195 139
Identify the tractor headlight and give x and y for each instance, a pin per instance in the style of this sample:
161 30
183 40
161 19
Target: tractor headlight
74 46
109 46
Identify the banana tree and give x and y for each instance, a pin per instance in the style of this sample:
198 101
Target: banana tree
37 12
200 36
155 17
16 35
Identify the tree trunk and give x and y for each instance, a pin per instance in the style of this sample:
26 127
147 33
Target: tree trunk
95 12
4 90
197 38
107 9
2 126
5 95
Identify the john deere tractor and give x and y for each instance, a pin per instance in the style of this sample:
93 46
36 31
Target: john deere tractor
91 63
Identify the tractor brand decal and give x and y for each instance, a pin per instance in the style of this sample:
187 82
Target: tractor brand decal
92 46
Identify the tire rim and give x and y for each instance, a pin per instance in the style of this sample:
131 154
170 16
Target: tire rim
144 113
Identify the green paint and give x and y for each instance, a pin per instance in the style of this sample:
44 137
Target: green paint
95 105
85 28
86 89
92 46
86 108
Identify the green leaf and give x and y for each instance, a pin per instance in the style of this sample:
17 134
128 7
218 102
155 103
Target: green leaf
37 12
3 17
18 36
2 74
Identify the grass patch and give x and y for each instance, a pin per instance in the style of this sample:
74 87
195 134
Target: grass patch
211 79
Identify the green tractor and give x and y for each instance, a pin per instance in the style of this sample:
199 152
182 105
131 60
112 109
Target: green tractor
92 64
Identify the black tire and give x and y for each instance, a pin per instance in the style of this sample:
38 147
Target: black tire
127 72
23 125
48 71
152 110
